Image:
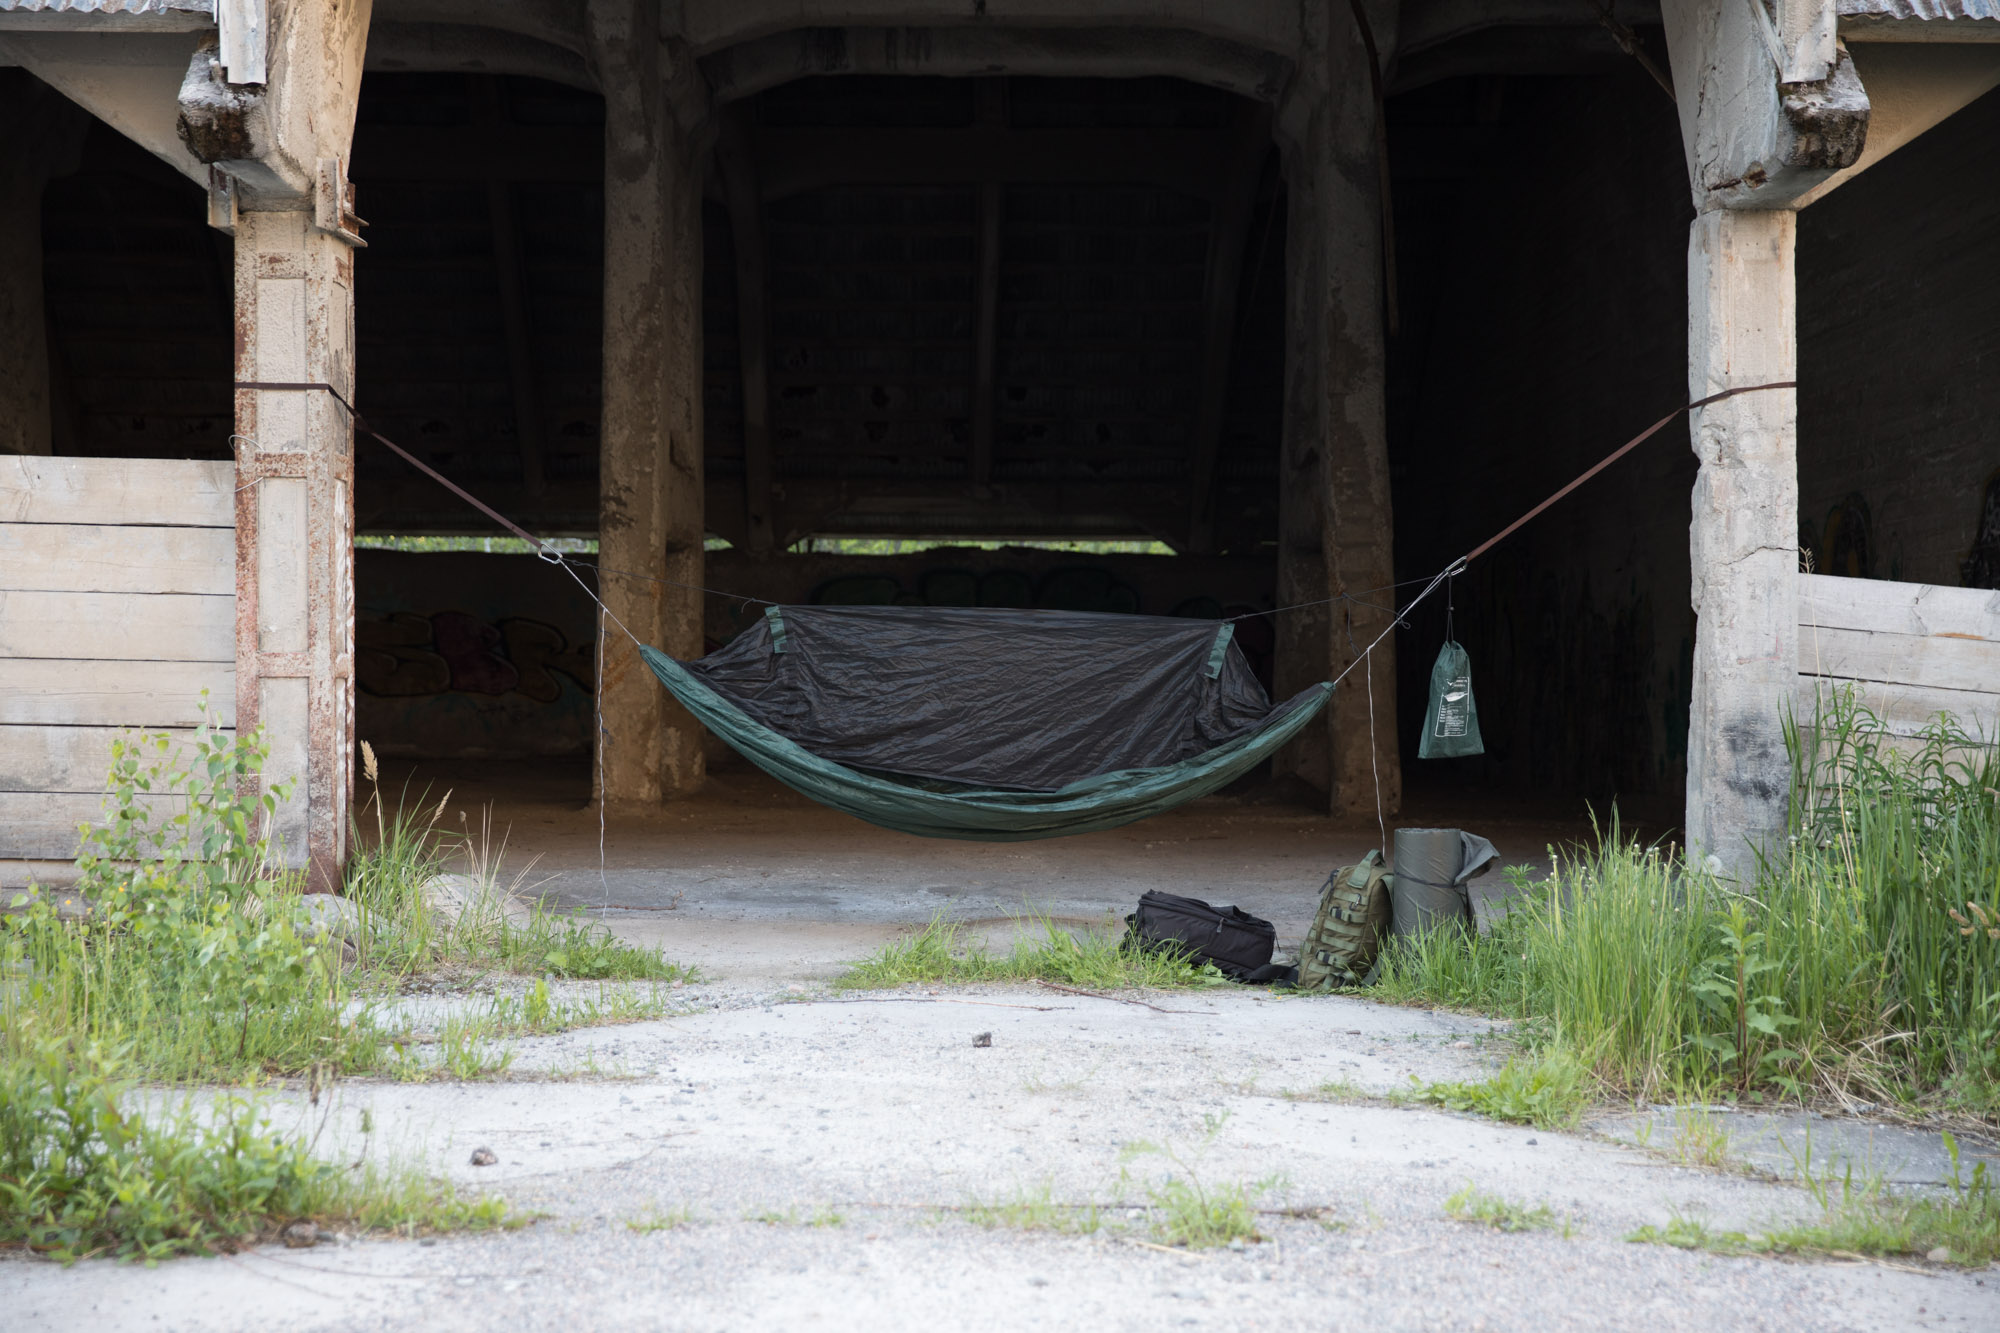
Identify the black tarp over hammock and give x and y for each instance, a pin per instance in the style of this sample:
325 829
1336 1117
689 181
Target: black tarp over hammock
995 725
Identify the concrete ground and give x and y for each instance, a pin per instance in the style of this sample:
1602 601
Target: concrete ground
751 880
783 1155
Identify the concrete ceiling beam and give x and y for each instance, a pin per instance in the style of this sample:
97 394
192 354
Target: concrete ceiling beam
450 48
130 80
765 62
793 161
1912 86
1752 139
1266 25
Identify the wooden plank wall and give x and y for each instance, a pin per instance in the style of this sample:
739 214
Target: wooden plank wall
117 608
1912 649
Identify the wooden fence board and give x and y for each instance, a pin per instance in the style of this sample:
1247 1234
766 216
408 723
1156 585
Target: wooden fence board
75 557
1907 709
62 759
131 626
37 826
168 492
114 694
1912 650
1936 661
1898 608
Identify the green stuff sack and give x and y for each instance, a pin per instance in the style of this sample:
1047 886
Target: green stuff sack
1451 722
1347 930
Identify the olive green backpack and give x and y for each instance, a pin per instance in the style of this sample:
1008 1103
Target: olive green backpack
1347 930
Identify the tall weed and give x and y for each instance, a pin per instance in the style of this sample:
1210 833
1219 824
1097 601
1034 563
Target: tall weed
195 954
1867 960
1910 832
398 877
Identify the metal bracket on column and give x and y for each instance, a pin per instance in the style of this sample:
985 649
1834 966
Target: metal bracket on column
222 201
333 204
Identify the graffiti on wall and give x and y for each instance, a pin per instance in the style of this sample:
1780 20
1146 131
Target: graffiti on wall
1844 545
405 655
1982 567
451 684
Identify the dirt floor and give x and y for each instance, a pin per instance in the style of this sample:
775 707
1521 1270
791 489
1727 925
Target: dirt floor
783 1155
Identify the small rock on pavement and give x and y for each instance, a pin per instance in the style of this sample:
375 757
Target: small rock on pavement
1940 1255
983 1039
483 1157
299 1235
323 914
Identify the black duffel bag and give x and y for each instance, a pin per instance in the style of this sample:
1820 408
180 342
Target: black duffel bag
1239 944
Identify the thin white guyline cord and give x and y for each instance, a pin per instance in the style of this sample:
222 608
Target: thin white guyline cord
1373 765
1368 671
597 701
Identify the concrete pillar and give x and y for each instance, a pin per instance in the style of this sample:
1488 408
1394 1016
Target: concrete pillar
1742 329
650 500
1360 546
275 145
1302 653
1336 522
295 526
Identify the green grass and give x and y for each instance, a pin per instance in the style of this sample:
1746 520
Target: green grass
1087 959
1473 1205
198 962
1034 1210
1187 1213
913 545
1866 962
394 877
1339 1091
671 1219
1549 1091
1957 1224
791 1217
82 1174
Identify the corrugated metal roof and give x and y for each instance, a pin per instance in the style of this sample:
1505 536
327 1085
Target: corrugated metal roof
107 7
1921 10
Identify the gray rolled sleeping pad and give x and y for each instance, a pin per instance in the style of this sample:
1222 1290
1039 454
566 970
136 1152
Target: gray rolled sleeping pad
1432 866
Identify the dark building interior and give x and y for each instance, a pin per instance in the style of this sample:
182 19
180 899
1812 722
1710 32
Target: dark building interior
1540 228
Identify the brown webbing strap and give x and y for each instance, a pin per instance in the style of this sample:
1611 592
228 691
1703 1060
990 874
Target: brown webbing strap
361 424
1611 458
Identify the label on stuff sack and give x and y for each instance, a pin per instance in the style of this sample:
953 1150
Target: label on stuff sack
1451 722
1454 711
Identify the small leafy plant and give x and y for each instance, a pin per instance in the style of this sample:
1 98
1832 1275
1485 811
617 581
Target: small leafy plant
1728 988
1549 1091
1474 1205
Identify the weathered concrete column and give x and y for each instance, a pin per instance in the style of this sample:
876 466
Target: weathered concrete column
295 526
1360 550
1302 653
1744 539
650 499
1336 434
1770 113
272 114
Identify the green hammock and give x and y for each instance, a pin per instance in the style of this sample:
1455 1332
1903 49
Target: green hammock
936 808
